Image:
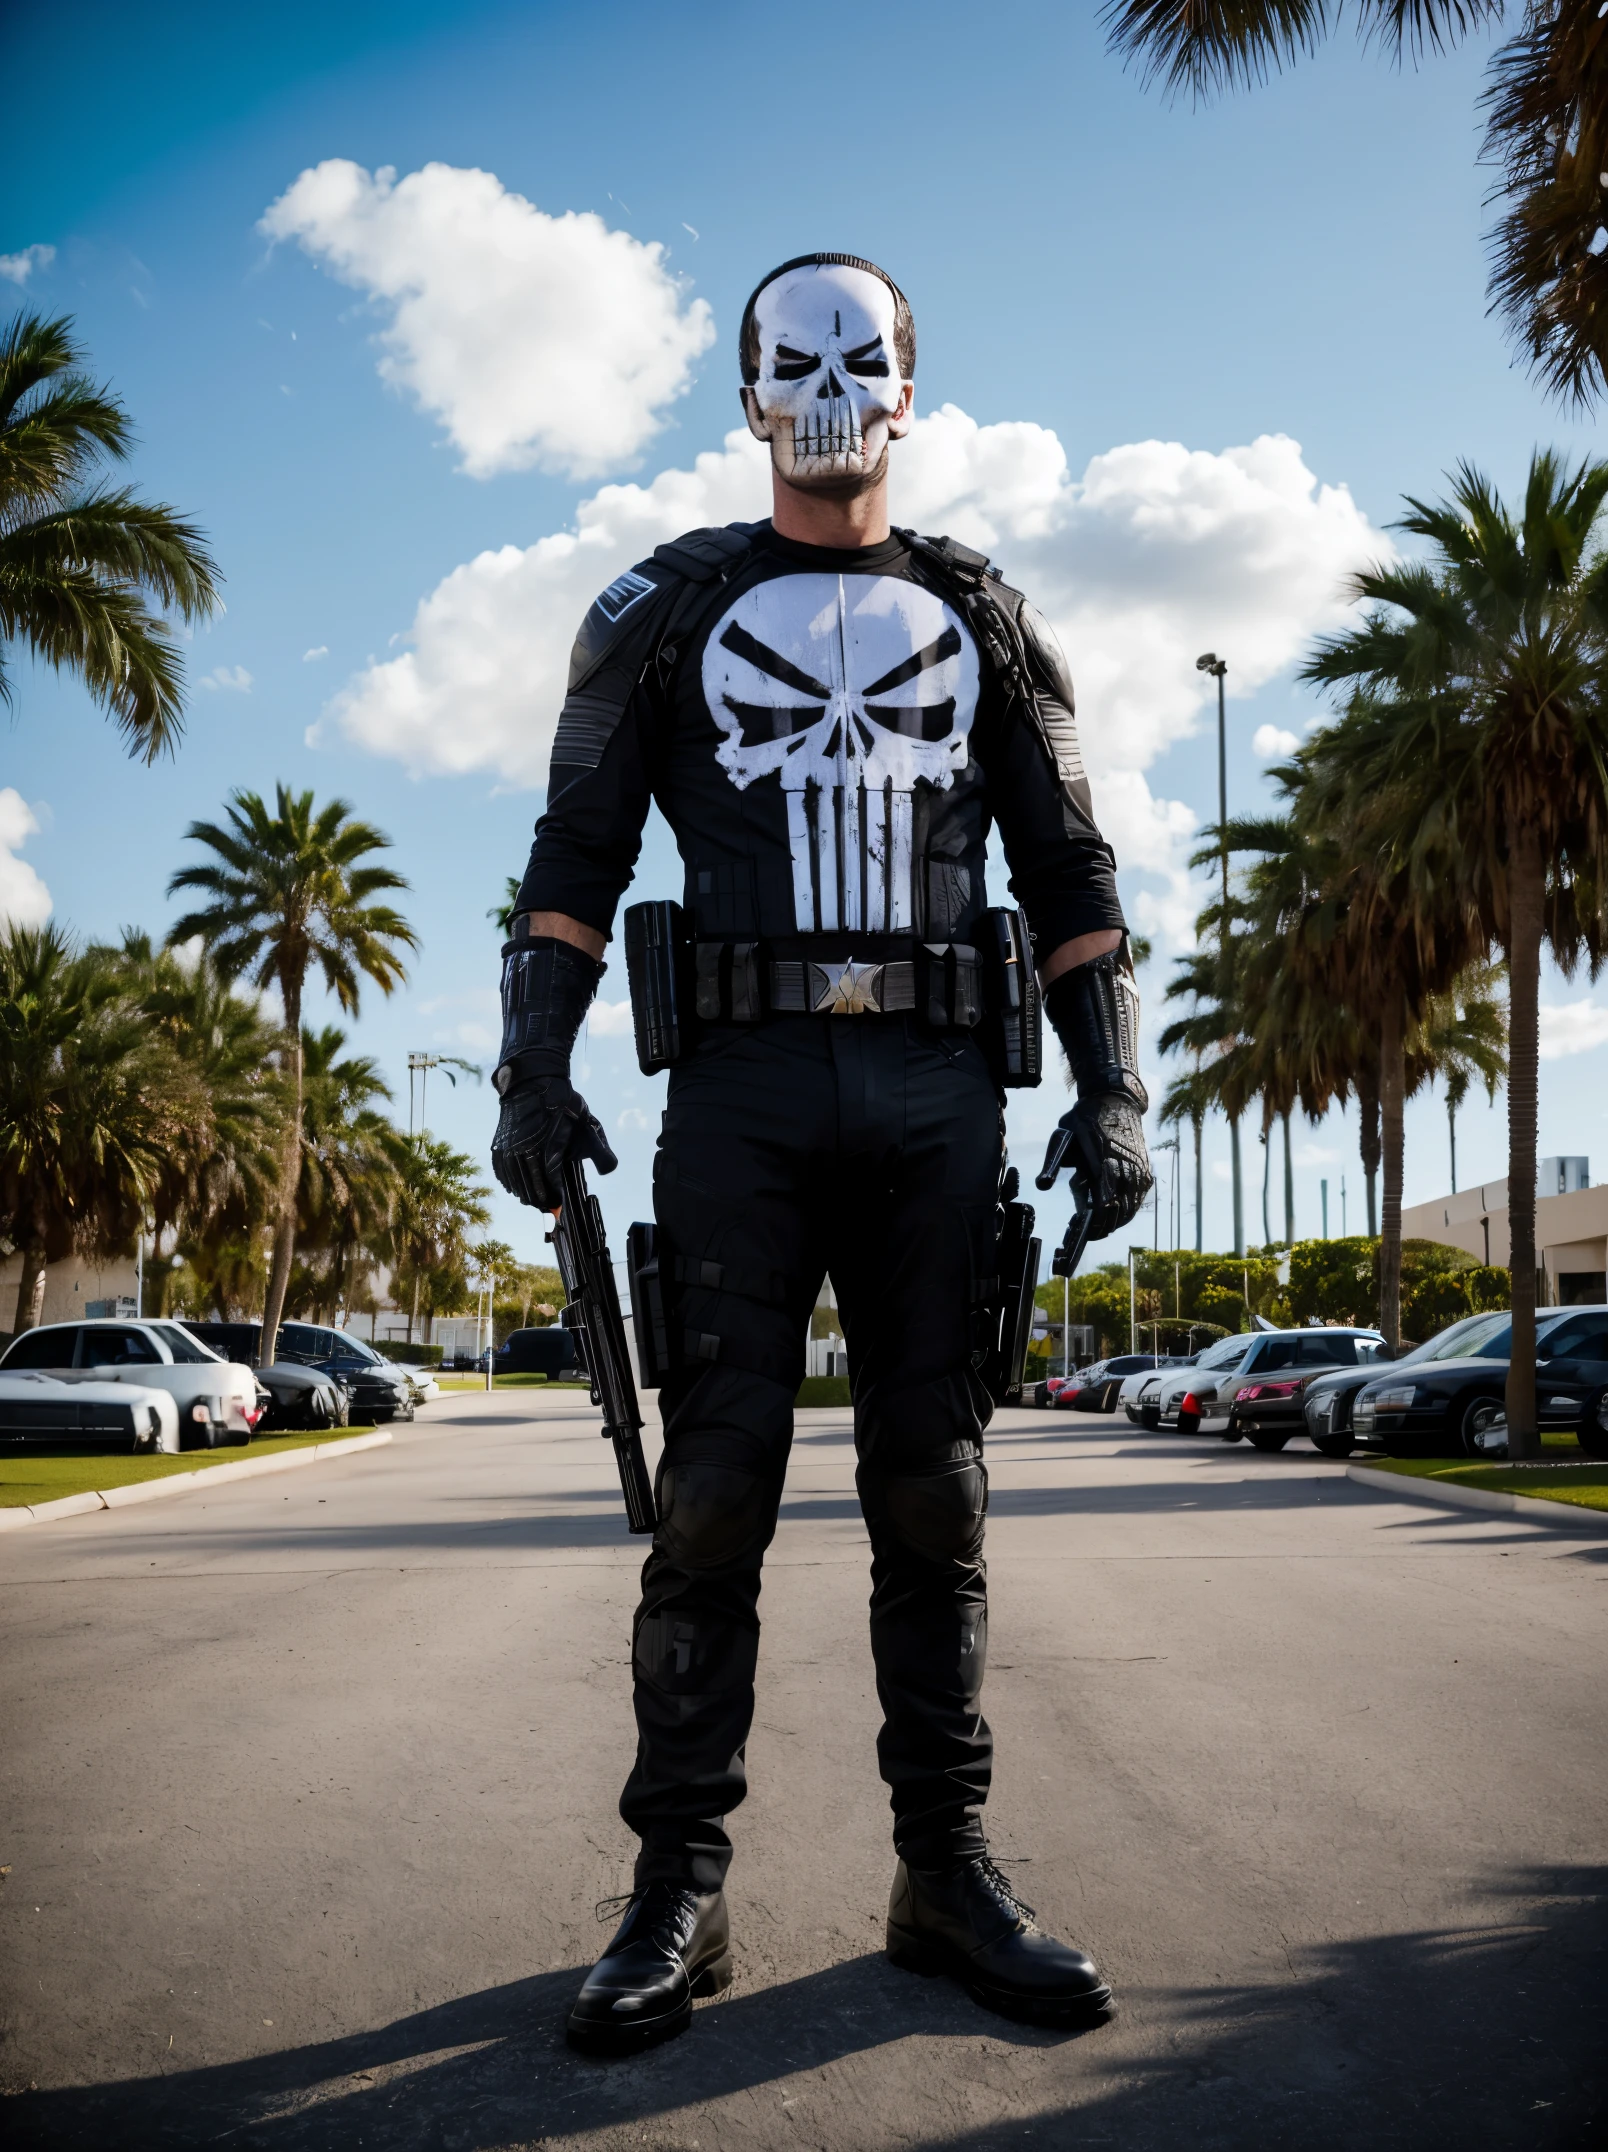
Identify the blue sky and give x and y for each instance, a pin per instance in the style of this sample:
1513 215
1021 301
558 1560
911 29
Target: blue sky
1084 262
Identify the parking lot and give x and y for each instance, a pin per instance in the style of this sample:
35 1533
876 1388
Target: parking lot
308 1786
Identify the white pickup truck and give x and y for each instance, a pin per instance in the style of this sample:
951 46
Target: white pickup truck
217 1400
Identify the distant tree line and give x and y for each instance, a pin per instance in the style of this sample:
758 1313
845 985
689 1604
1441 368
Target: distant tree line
1185 1299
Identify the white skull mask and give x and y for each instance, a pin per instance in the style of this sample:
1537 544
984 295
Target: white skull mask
852 690
828 397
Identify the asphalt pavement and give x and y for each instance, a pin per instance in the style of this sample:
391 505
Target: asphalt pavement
307 1794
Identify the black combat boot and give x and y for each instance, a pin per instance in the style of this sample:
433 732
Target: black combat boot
966 1921
674 1943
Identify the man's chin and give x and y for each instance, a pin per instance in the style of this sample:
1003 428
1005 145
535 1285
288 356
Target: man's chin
832 478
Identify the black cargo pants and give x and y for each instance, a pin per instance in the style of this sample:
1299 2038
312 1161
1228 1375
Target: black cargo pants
871 1150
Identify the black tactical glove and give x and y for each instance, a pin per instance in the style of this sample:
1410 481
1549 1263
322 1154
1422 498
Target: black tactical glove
1095 1011
547 987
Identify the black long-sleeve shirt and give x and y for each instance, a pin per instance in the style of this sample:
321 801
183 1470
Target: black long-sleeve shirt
830 747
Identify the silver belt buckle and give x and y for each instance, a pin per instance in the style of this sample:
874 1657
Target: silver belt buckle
850 989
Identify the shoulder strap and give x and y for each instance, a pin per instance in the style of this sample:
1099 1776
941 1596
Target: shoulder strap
702 555
632 630
704 561
988 602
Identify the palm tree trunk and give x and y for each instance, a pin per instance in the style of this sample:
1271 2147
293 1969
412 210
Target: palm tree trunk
1392 1100
30 1291
289 1176
1289 1187
1200 1186
1527 890
1239 1185
1368 1113
1267 1175
1451 1124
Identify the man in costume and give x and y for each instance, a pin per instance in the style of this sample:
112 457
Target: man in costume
830 713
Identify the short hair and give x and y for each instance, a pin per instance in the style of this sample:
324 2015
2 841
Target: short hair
904 324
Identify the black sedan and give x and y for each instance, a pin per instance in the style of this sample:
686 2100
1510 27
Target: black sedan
1445 1399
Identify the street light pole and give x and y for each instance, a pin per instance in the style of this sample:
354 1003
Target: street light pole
1211 663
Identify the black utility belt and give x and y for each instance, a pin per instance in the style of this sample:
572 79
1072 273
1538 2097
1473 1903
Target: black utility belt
744 982
679 984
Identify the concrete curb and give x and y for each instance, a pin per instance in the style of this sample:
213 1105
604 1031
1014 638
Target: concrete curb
1447 1494
79 1505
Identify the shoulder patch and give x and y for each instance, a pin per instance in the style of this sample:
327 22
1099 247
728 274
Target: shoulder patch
624 592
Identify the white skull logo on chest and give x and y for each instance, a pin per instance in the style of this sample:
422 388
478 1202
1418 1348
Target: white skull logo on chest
852 690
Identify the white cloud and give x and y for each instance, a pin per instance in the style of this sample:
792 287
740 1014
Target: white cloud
24 899
311 657
19 267
633 1117
1272 743
536 340
1316 1154
1155 553
1572 1027
234 679
610 1019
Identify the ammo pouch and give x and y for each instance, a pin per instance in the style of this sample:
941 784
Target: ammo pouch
677 983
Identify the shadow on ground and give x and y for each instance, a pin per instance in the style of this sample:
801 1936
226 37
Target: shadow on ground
1485 2036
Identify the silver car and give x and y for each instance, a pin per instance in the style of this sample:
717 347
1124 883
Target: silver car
217 1400
1210 1383
1133 1392
35 1407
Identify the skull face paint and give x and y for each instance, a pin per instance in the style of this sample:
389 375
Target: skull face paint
852 690
828 397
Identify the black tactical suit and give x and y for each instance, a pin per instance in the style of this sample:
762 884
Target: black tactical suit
829 735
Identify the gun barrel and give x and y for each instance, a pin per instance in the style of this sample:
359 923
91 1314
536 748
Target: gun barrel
582 1249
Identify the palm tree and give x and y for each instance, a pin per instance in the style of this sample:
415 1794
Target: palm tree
79 560
1190 1098
352 1161
93 1102
1463 1036
1340 929
1546 128
287 891
1490 661
220 1184
438 1200
1210 1033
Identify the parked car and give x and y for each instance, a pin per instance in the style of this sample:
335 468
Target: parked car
35 1407
301 1397
376 1389
1451 1403
1044 1393
1327 1403
216 1398
1217 1366
542 1350
1095 1387
1137 1397
1266 1407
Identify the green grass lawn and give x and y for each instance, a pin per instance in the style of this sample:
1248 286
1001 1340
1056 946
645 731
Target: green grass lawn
47 1472
509 1382
1584 1485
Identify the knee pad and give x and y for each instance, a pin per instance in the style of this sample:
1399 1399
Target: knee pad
710 1514
685 1654
938 1513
